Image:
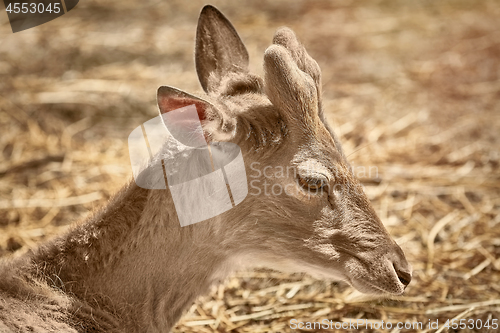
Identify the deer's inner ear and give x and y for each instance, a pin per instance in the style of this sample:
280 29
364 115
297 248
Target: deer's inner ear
183 115
170 99
216 124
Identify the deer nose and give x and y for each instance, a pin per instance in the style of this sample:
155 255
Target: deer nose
401 266
404 274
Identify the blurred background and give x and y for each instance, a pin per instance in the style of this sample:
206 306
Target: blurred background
411 87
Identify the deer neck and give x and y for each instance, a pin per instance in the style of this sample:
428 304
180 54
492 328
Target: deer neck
134 260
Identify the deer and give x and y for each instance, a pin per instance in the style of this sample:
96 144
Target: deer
131 267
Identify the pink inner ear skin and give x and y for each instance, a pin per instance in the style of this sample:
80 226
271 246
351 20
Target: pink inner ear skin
170 104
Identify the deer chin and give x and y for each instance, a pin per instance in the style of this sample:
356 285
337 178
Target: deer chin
375 280
362 280
369 288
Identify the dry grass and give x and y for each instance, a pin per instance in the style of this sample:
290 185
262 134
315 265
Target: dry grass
413 89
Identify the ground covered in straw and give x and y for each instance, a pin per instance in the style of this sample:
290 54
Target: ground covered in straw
412 88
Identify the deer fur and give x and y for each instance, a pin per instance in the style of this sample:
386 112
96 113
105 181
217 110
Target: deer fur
131 268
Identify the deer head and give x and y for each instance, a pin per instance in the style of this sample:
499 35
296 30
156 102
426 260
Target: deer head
305 210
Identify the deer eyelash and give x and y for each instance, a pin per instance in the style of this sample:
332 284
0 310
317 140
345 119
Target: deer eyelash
312 184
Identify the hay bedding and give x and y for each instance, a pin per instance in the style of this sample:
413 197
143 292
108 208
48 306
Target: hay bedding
412 88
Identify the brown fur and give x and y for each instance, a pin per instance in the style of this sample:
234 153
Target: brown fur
132 268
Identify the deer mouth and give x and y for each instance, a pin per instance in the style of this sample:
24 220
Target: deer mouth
388 279
363 280
371 288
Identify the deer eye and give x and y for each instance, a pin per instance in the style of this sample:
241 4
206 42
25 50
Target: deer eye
312 184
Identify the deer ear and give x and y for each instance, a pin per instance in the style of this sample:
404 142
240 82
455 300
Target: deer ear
170 98
191 119
182 114
219 49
